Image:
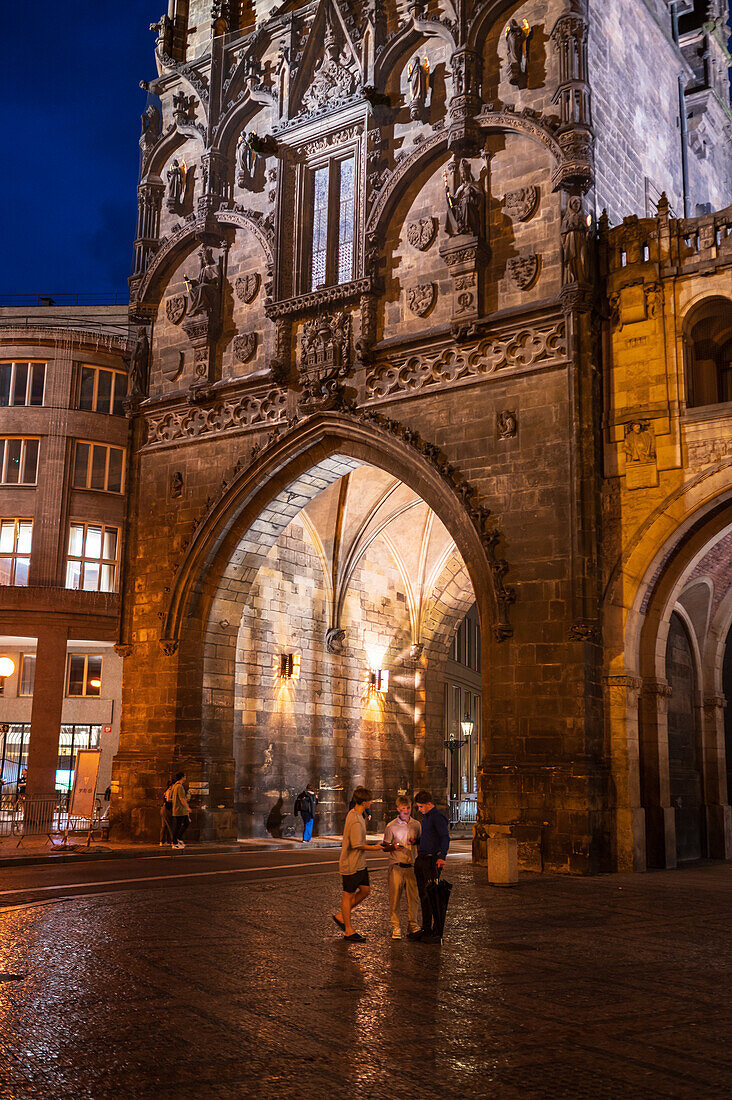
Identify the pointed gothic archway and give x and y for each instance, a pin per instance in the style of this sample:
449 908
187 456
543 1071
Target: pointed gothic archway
223 573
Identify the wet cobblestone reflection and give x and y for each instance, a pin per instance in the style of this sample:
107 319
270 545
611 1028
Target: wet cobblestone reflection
615 986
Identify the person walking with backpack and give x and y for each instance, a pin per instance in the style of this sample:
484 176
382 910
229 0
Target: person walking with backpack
305 804
181 810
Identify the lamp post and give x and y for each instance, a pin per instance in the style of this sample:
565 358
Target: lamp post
453 745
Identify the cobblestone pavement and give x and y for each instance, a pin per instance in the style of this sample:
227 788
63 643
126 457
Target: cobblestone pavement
609 987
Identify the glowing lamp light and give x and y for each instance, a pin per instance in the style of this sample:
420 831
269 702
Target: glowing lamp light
379 679
95 683
467 726
7 666
290 666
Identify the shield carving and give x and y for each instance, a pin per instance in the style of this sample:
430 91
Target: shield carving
522 204
523 270
247 287
175 309
245 347
421 298
421 233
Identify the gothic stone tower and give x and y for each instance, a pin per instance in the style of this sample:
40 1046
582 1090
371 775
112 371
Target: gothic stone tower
364 277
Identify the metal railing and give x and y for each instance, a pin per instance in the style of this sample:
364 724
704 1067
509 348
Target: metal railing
463 811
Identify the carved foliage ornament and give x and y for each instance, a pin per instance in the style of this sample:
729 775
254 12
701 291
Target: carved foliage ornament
175 309
247 287
265 408
523 270
421 298
421 233
522 204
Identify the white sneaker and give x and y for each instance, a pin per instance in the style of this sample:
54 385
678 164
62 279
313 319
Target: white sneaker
396 934
181 844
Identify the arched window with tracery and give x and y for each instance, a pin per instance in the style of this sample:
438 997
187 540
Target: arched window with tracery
708 352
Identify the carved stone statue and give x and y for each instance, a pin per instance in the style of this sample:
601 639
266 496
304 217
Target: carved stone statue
140 365
418 76
517 37
151 124
466 205
164 28
176 176
639 445
203 292
575 252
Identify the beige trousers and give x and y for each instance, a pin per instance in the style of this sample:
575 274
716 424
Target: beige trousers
400 879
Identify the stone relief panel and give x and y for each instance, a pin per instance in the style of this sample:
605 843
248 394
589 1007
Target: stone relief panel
267 407
507 349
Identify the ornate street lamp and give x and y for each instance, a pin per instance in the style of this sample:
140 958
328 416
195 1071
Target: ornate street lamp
453 745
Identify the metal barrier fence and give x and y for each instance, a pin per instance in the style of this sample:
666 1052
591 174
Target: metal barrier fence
28 817
463 811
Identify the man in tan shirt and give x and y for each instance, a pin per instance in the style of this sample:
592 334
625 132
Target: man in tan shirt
400 837
352 863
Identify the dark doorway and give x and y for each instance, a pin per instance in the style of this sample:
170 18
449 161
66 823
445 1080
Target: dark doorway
683 749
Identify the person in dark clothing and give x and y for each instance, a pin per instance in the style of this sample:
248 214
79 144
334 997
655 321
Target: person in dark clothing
433 844
305 804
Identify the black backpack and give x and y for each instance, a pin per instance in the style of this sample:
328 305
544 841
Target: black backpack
298 803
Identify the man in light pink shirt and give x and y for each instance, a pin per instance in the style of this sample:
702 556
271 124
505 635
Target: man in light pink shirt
400 837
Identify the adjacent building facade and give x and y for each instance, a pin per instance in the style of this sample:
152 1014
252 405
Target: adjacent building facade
386 373
63 448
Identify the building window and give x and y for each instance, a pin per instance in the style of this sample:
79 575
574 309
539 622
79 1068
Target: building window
72 739
333 211
18 461
103 391
84 675
15 549
92 558
13 759
22 383
98 467
708 352
27 673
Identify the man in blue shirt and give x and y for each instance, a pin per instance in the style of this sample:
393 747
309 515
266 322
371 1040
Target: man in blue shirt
433 844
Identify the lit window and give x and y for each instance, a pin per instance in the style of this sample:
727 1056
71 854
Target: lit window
333 207
27 673
18 461
22 383
15 549
91 562
103 391
98 467
84 675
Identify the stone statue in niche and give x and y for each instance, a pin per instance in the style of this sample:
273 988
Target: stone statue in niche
203 292
176 485
465 203
418 76
140 364
639 444
575 251
517 42
176 176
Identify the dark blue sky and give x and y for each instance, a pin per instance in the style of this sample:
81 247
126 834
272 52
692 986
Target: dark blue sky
72 106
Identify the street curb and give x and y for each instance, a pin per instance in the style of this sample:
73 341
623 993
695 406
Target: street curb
132 853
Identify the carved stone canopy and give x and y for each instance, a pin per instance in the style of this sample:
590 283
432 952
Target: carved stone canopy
332 81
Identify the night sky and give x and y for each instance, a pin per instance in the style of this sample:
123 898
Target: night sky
73 109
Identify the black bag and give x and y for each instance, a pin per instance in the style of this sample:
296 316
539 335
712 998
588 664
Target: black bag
298 804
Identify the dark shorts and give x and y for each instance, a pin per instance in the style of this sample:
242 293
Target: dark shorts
352 882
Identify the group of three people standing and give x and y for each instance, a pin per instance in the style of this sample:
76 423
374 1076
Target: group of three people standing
409 873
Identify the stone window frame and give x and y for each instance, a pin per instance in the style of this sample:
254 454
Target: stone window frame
119 379
22 461
88 486
308 163
31 376
89 687
15 555
102 561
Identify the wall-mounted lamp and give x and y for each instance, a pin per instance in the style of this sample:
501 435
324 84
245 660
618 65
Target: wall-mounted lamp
467 726
379 679
290 666
7 668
